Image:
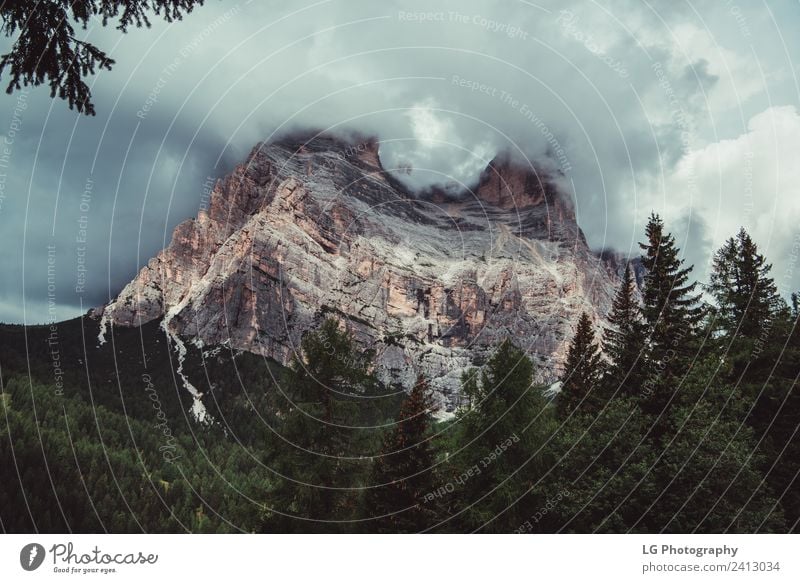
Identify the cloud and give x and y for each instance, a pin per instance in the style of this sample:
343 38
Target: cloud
752 180
443 84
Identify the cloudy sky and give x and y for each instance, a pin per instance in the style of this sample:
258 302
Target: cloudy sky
689 109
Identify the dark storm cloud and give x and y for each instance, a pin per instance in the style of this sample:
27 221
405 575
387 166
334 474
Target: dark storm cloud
615 96
105 201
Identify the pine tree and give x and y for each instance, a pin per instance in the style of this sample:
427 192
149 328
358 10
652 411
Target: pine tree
601 482
579 384
405 468
671 315
329 367
745 294
758 337
751 322
320 463
709 478
500 445
623 340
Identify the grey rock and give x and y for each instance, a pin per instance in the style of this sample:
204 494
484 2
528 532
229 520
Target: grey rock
303 230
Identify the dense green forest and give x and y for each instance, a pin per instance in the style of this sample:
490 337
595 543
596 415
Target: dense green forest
685 421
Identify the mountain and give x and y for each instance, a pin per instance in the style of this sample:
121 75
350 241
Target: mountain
171 410
313 226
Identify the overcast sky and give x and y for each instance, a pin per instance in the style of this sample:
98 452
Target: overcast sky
688 109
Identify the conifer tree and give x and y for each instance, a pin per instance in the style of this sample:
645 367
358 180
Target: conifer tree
579 384
751 322
709 479
404 469
319 465
745 293
758 337
601 482
671 314
329 367
501 438
623 339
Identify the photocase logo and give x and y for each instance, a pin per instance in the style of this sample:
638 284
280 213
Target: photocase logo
31 556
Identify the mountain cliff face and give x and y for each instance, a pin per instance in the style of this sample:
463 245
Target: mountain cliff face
303 230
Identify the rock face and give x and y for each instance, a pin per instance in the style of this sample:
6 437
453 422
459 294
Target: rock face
304 230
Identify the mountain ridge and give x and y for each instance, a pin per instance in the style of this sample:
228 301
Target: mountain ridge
309 227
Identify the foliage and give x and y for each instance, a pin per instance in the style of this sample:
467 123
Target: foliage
501 437
671 314
399 496
48 50
106 443
745 294
580 383
623 341
327 449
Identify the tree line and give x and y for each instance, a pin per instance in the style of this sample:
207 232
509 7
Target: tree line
685 421
678 413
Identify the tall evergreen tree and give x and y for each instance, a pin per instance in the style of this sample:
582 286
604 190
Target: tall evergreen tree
758 337
623 340
329 367
321 463
671 314
501 437
745 294
580 382
404 467
751 323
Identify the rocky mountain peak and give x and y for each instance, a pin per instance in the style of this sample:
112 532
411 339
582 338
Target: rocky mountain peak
308 228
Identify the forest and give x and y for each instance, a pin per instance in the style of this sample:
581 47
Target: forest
680 414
